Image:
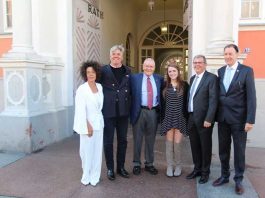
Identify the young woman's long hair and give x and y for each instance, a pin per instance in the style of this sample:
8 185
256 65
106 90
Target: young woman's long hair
180 82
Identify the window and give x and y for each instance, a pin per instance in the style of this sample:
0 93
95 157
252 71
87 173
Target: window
156 44
7 6
146 53
250 9
176 35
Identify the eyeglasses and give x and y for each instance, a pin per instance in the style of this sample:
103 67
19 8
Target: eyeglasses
197 63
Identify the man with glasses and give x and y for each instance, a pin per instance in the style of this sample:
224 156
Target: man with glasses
202 105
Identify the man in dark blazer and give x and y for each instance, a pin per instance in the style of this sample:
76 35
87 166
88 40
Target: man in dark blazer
144 116
236 114
202 105
115 80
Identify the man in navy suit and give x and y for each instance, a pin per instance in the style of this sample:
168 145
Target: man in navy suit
115 79
236 114
146 96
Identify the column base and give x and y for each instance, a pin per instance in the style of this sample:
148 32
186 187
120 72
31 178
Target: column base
29 134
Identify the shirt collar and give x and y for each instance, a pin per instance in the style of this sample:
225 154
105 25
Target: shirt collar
145 76
233 67
200 75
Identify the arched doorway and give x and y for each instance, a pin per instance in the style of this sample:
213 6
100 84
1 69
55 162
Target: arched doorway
165 47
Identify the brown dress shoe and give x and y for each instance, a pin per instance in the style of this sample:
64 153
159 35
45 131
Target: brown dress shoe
220 181
239 189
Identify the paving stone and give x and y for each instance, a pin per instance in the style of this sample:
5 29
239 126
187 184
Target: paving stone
9 157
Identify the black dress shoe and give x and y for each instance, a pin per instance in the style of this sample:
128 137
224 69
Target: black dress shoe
193 175
220 181
122 172
136 170
110 174
203 179
151 169
239 189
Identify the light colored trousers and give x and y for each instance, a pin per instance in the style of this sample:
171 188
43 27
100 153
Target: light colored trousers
91 157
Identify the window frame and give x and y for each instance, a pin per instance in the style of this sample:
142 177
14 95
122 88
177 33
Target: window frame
6 29
128 50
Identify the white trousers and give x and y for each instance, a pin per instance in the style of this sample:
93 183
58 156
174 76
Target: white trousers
91 157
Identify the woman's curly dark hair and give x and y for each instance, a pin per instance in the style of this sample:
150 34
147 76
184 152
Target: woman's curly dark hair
96 67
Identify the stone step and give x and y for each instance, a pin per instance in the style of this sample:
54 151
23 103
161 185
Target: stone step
225 191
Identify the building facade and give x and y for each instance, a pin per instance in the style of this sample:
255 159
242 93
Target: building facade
43 43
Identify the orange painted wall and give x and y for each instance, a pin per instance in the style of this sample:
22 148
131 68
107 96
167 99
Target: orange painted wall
254 40
5 45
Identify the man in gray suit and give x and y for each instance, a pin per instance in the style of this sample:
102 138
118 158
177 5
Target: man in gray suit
146 90
202 105
236 114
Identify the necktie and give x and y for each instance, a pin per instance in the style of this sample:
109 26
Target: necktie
227 79
192 91
149 93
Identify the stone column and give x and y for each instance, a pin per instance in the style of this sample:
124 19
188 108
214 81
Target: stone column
22 26
33 115
22 32
22 66
220 26
23 73
223 20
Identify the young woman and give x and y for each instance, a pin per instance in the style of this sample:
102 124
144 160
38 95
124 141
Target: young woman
89 123
174 121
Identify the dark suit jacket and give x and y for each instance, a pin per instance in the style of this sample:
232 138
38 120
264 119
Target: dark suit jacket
115 93
205 99
136 93
238 104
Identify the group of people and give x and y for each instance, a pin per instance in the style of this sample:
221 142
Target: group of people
111 95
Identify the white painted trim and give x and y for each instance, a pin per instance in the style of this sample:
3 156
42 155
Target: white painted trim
252 27
65 20
259 79
6 35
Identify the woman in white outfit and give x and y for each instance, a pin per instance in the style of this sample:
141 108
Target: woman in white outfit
89 123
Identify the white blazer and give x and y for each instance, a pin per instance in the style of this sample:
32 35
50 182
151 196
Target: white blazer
88 106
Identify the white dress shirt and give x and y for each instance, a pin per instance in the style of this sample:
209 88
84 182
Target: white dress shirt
196 86
233 69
